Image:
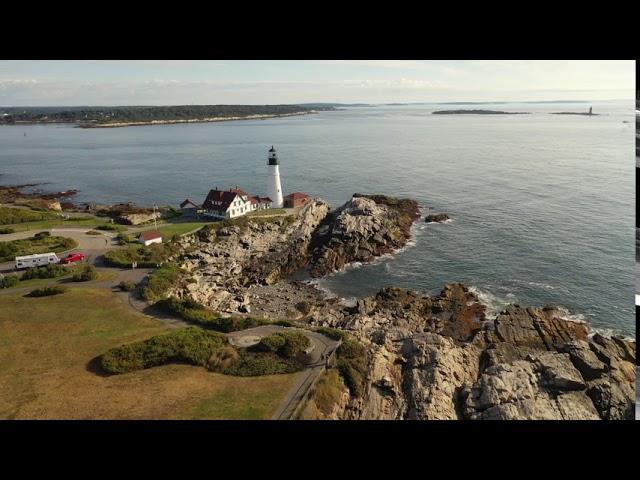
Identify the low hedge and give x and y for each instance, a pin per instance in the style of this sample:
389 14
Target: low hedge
194 312
48 271
85 274
112 228
195 346
6 230
190 345
47 291
332 333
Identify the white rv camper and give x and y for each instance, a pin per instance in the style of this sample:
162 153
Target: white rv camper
36 260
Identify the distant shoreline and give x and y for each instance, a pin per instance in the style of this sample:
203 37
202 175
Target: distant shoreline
164 122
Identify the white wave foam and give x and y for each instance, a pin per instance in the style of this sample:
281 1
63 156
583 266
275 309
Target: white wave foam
569 316
449 220
494 303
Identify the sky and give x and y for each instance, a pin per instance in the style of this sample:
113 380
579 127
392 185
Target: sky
185 82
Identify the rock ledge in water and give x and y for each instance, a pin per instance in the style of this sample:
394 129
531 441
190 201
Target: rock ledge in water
437 218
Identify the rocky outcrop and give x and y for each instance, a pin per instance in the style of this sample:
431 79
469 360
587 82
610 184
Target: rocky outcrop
437 218
224 262
137 218
229 265
440 358
365 227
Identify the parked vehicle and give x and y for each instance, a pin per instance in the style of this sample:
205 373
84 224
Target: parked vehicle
73 257
36 260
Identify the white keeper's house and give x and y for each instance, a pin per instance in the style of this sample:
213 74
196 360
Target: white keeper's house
233 203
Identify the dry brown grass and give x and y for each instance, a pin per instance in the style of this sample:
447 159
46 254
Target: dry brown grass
47 344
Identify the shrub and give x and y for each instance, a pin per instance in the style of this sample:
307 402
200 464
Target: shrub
284 323
271 343
332 333
112 228
223 358
191 311
9 281
47 291
327 391
127 286
42 234
352 362
48 271
6 230
160 281
251 364
190 345
285 344
85 274
92 232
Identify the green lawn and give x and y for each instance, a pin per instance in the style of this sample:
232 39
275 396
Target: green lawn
47 347
168 230
10 215
103 275
29 246
88 222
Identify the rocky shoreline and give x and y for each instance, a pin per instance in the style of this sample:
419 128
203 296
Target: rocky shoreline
427 357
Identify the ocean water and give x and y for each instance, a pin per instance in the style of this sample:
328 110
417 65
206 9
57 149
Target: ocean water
542 205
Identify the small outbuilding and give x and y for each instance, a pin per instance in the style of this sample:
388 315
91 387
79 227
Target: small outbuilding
150 237
296 199
190 208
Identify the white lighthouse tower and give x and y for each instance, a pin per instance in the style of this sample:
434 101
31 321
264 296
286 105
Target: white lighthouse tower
274 189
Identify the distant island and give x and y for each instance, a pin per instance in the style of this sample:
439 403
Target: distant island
477 112
123 116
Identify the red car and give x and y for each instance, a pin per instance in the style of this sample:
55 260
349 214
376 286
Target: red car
73 257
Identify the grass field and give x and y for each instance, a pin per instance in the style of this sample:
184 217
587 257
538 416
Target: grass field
47 344
28 246
48 224
103 275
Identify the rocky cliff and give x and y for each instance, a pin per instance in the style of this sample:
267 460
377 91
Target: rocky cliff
439 358
225 262
365 227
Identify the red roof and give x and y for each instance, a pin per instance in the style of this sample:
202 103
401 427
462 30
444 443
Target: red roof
150 235
297 195
257 199
226 197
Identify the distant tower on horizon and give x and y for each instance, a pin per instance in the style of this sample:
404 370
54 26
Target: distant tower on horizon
590 110
274 189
